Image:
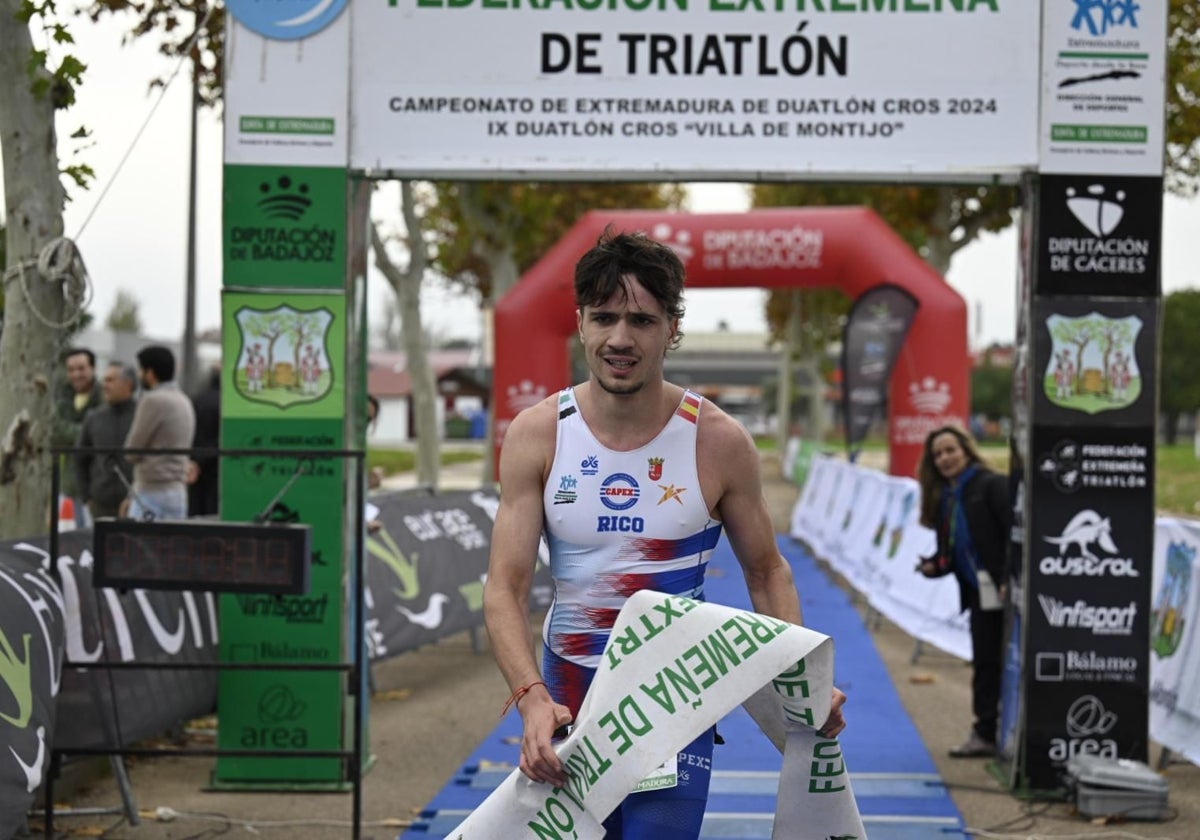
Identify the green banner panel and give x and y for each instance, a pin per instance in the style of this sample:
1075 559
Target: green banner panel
285 226
285 389
285 709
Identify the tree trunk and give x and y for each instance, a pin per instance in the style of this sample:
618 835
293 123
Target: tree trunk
492 244
1171 432
29 344
407 286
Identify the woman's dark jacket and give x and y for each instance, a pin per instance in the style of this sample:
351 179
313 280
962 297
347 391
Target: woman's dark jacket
989 516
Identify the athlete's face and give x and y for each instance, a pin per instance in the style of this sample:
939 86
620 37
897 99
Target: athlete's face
625 339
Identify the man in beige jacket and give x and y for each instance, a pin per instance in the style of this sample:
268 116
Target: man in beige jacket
164 419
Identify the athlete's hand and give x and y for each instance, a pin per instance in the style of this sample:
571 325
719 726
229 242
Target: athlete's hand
836 721
542 717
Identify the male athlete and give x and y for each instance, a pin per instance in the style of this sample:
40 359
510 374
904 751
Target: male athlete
632 479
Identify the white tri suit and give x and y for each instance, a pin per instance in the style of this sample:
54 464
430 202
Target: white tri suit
618 523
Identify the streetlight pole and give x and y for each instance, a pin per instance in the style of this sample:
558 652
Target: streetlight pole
189 379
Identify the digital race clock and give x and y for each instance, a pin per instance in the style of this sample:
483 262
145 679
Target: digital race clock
199 554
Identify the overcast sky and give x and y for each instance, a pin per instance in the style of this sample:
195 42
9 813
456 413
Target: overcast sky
134 236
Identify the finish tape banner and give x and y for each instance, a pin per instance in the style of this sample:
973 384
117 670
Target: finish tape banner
672 669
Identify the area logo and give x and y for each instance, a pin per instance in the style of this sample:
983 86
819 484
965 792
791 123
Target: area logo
1087 724
1096 17
1092 365
1085 530
1169 615
1095 211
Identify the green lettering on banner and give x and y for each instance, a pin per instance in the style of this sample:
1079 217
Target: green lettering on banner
739 638
659 693
683 683
1065 133
720 651
700 665
827 766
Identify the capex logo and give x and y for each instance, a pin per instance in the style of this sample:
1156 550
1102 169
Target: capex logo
283 358
1086 534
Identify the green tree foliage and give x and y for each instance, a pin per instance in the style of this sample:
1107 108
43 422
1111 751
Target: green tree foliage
991 389
526 218
1180 375
1183 103
125 315
176 23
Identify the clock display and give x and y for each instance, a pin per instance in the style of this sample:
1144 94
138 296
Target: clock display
202 555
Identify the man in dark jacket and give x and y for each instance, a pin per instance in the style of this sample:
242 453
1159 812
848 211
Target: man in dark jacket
96 474
74 400
204 478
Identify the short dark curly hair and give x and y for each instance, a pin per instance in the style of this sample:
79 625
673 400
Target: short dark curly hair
602 272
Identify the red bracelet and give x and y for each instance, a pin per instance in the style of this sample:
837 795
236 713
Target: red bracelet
516 696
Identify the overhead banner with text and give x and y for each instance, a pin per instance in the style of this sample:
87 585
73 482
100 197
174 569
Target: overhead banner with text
456 88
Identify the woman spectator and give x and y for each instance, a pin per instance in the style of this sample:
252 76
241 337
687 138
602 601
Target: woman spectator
966 503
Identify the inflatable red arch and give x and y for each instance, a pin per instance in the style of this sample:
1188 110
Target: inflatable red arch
849 248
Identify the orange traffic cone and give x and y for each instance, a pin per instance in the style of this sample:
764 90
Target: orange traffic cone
66 514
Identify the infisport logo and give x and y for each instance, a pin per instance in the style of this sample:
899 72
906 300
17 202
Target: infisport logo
620 491
1102 621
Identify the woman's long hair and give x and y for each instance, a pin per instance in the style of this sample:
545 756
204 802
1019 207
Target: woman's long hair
931 481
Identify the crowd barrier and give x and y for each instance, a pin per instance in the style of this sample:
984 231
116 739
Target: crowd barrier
425 569
864 524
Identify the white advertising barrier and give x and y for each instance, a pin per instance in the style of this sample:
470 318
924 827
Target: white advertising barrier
873 538
668 88
1174 648
672 669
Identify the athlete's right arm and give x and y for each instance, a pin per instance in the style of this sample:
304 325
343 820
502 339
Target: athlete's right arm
524 460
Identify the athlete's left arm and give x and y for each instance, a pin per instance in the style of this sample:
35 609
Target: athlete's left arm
729 462
727 450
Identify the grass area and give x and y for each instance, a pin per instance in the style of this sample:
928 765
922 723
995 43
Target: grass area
1177 481
405 460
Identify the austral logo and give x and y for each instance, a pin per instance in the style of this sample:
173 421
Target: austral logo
1086 530
620 491
1099 212
283 359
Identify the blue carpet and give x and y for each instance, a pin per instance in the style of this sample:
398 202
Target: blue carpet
899 792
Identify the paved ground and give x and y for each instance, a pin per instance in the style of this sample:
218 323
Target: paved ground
433 706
